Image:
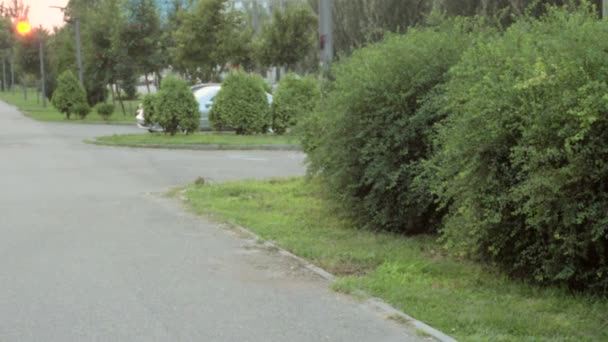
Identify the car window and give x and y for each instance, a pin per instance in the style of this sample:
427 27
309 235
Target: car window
206 94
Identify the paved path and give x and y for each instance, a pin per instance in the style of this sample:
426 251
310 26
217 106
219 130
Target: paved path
90 251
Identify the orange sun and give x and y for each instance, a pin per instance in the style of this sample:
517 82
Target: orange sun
23 28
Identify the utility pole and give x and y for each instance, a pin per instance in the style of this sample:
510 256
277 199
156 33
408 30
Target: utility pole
42 71
4 83
326 32
255 16
604 8
78 51
10 87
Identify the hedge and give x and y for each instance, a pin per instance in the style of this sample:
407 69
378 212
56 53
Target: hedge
522 162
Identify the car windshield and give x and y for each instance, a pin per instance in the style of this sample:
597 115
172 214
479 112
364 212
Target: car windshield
205 94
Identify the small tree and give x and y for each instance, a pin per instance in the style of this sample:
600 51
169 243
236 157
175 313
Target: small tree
69 94
294 98
82 110
241 104
175 107
105 110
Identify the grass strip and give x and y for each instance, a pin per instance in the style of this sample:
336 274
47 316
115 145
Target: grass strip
463 299
32 107
202 140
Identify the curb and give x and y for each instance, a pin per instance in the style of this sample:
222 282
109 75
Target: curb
375 303
202 147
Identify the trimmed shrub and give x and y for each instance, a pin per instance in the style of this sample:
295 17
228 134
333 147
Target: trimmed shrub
294 98
69 95
82 110
377 125
105 110
241 105
523 158
149 108
175 108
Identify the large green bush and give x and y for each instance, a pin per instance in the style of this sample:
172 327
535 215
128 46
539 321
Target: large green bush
523 158
294 98
376 123
175 108
69 95
241 105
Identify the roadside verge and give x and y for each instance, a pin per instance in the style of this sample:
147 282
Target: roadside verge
463 299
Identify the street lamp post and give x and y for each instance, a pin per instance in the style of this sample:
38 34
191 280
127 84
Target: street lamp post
326 31
24 29
42 71
78 51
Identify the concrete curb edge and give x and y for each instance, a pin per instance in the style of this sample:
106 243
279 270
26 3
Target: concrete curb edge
374 303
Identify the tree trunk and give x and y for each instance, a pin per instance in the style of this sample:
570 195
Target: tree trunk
122 105
147 83
113 94
12 74
278 74
159 78
3 74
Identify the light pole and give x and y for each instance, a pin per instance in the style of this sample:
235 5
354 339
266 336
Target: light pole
42 71
326 32
78 45
24 29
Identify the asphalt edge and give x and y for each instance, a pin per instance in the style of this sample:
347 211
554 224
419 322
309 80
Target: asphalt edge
375 303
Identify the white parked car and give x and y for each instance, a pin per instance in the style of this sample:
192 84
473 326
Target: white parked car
204 95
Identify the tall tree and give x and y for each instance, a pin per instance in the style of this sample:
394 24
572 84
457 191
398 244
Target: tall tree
141 36
289 37
6 47
210 35
27 51
15 10
196 39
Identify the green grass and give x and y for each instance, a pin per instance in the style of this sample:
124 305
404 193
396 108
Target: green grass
227 139
460 298
34 109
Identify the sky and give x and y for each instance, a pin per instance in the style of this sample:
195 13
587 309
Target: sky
41 14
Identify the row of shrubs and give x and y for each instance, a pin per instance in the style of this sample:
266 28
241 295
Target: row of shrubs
70 98
241 105
497 140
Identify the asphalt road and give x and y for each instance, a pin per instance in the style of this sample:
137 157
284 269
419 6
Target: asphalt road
91 251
